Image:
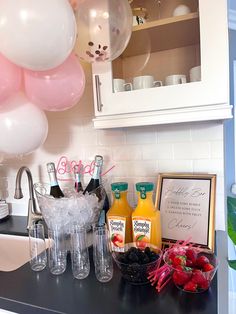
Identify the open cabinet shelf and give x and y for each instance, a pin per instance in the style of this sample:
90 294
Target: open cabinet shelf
164 34
167 46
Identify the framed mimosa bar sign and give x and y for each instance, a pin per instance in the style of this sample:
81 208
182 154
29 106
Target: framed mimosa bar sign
187 206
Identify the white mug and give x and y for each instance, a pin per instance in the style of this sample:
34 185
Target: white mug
181 10
175 79
145 81
119 85
195 74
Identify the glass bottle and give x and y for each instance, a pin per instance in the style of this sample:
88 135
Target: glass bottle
106 205
78 184
119 217
93 185
146 220
55 189
94 181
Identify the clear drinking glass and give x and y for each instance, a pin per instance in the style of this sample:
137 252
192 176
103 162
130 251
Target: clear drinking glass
57 251
38 254
79 252
102 254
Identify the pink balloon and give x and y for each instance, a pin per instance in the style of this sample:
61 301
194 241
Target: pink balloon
58 89
10 79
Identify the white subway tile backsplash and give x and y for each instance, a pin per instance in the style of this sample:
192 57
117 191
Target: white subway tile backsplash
207 131
135 169
209 166
122 153
90 151
158 151
175 166
217 150
57 140
173 133
83 139
111 137
144 135
195 150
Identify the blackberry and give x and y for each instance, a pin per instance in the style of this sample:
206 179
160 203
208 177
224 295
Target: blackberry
133 257
147 250
146 259
132 249
154 256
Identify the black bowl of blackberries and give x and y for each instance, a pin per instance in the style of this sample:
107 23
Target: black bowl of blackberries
136 263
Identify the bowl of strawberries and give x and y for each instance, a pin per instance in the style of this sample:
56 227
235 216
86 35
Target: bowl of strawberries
192 269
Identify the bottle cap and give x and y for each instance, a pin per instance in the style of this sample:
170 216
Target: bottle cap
77 169
51 167
121 186
98 161
144 186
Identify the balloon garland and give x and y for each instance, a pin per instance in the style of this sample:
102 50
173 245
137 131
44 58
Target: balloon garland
38 69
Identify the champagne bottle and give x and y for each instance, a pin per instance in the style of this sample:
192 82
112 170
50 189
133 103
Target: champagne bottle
106 205
55 190
78 184
94 181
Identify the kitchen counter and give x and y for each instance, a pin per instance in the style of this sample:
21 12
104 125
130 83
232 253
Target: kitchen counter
24 291
14 225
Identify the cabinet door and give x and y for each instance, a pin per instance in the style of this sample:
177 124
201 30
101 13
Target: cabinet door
170 45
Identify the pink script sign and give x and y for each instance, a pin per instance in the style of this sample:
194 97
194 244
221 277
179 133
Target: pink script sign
65 166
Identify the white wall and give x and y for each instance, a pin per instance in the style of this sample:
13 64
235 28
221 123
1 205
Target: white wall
138 153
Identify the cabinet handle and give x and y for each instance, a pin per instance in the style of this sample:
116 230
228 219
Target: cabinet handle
98 93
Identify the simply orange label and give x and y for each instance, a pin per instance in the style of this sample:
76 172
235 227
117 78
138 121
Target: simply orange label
141 230
117 226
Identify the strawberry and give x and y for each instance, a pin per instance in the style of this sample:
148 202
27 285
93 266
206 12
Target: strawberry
179 260
191 255
201 260
189 263
199 278
190 286
171 256
181 277
208 267
180 268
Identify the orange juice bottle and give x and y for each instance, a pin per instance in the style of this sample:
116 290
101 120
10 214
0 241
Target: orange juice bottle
146 220
119 217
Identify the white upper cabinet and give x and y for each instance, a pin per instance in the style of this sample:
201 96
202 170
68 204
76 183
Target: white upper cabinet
166 45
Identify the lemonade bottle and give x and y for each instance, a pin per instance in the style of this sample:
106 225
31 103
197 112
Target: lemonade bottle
146 220
119 217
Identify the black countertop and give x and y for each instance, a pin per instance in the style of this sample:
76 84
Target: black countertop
24 291
14 225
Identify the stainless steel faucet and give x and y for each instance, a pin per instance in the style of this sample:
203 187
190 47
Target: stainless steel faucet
34 213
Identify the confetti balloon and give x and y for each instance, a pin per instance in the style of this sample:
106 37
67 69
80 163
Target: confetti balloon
104 29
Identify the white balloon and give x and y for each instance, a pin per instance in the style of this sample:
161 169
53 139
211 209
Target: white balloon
23 126
37 34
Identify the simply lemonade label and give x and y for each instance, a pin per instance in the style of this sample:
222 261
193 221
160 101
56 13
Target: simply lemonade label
117 226
141 229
